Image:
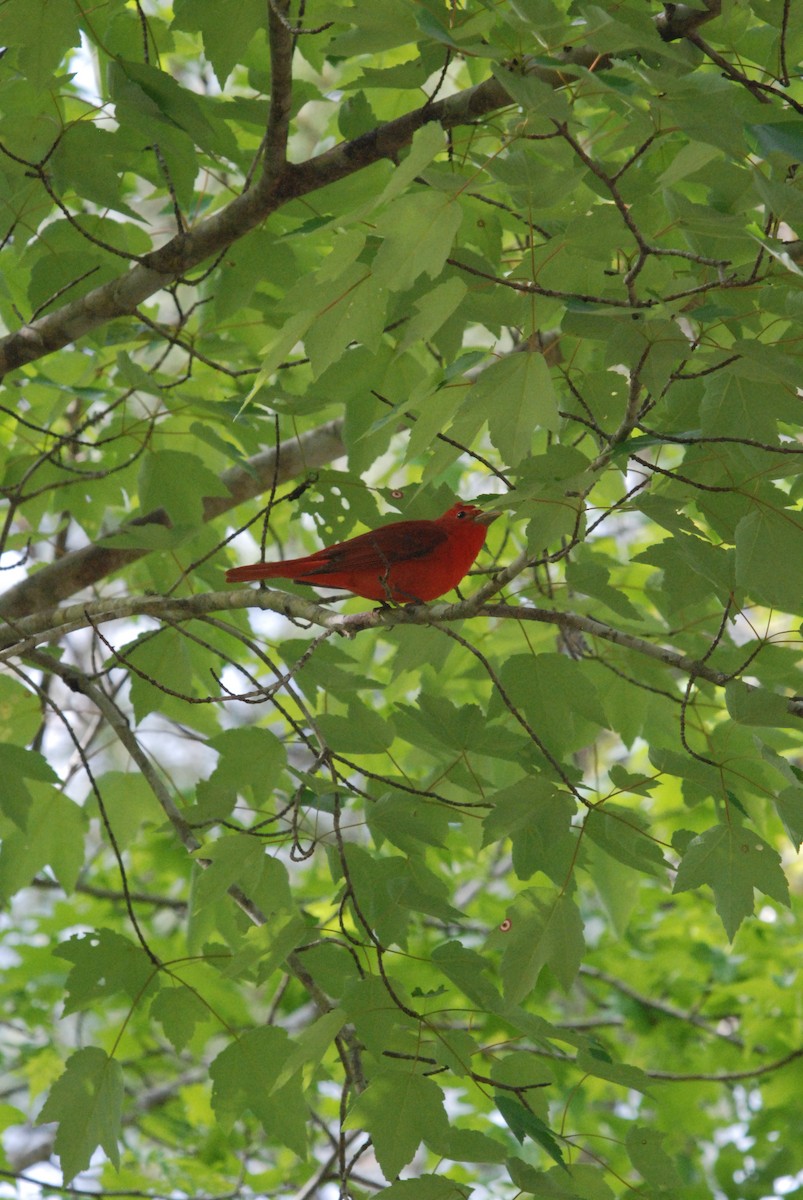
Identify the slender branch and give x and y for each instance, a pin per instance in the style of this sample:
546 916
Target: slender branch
115 894
659 1006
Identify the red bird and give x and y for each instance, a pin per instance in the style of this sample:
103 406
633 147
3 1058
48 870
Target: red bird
406 561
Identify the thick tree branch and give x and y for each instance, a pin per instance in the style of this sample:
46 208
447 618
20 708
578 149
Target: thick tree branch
281 92
679 20
171 262
85 567
24 635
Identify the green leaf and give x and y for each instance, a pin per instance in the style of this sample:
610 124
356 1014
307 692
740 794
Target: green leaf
400 1110
537 818
378 1025
284 340
243 1078
311 1045
53 836
733 861
105 964
409 822
45 31
432 310
90 160
530 402
558 698
599 1064
546 930
177 482
87 1102
265 947
542 1184
418 231
354 311
769 545
248 757
158 662
178 1010
593 580
17 765
466 969
427 142
524 1123
650 1159
789 804
355 116
426 1187
158 96
361 732
242 861
129 805
785 137
227 27
751 706
468 1145
624 834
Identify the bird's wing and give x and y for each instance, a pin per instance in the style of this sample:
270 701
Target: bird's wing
378 550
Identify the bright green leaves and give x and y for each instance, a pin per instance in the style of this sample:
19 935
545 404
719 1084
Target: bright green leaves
389 890
227 27
399 1109
154 96
517 396
644 1145
17 765
154 659
53 836
44 32
241 861
750 706
250 760
418 231
624 835
178 483
438 861
733 861
354 313
523 1122
769 549
87 1102
105 964
40 825
557 697
467 970
88 160
537 818
247 1077
361 731
546 929
178 1010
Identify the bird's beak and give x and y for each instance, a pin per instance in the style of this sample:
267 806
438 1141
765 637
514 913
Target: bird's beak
486 518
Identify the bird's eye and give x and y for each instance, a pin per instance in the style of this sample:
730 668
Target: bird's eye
462 513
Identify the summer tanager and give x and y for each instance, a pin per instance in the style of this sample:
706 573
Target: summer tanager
406 561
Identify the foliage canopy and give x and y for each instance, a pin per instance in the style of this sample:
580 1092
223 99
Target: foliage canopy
489 897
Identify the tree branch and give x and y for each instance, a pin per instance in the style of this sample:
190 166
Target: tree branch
163 267
85 567
281 93
54 623
679 20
